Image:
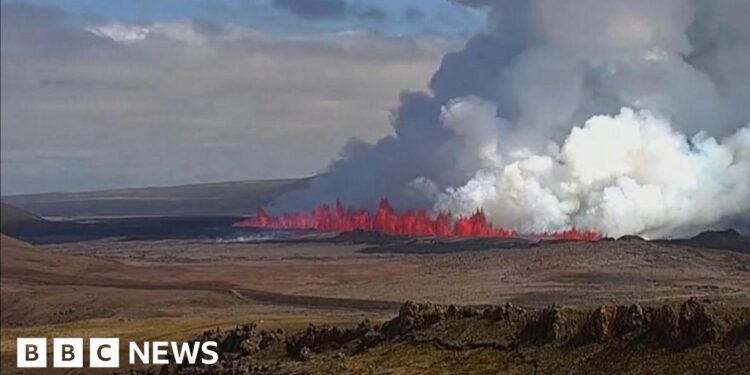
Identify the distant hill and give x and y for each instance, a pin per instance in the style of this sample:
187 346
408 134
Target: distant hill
726 240
20 258
12 217
212 199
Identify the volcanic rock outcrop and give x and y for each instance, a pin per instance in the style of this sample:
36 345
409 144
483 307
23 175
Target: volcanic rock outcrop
316 339
507 329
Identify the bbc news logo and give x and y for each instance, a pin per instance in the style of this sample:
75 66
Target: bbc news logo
105 352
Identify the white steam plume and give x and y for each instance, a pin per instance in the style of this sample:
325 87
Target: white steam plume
629 173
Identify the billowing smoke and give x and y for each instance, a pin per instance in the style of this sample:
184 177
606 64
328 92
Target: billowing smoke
631 173
618 116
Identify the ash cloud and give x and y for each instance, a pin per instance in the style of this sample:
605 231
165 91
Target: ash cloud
659 90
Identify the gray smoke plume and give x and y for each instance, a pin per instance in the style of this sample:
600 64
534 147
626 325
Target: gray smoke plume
617 116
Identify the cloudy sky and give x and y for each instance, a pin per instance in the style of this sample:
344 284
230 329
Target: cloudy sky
102 94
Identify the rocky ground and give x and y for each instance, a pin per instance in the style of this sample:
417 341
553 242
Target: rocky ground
455 271
173 289
695 336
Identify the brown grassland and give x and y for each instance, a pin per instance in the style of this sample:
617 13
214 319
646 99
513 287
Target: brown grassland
174 289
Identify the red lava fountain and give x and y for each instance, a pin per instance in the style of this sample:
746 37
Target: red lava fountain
335 218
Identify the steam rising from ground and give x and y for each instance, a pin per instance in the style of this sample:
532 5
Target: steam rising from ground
617 116
629 173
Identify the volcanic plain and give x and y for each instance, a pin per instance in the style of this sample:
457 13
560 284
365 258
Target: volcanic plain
143 289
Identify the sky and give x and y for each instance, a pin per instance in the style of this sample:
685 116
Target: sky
107 94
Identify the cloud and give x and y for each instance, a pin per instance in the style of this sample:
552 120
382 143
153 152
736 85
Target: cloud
413 15
332 9
314 8
184 103
28 29
371 13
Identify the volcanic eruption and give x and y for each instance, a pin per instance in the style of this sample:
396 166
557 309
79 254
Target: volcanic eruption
386 220
613 117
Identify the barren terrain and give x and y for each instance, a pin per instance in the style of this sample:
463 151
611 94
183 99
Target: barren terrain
177 288
571 273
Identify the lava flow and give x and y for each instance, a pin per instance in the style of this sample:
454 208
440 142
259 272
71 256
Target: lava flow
335 218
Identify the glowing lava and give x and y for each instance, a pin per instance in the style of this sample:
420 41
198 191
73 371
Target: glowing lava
335 218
